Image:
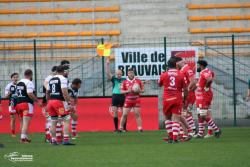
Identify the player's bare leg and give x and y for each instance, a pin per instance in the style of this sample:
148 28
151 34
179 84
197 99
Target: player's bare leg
53 130
137 111
124 117
66 124
74 122
13 125
25 127
115 115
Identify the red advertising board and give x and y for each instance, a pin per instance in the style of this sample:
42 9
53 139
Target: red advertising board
93 114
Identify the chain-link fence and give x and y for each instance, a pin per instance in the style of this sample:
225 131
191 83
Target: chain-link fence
228 57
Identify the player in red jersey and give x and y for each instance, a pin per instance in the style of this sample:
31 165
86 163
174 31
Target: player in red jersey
190 100
174 83
132 99
204 96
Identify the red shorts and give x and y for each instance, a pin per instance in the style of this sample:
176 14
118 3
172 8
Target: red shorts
12 110
172 106
132 103
204 99
24 109
57 108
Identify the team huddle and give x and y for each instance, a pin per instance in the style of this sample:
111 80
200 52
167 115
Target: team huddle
58 105
181 91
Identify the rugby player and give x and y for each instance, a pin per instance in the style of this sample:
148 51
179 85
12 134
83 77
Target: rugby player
10 92
59 104
26 97
132 99
44 102
73 93
174 83
204 96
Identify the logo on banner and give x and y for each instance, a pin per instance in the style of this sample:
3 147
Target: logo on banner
149 63
188 56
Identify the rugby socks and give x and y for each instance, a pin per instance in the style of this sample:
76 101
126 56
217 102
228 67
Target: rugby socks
73 127
23 136
190 121
176 130
59 132
116 123
201 123
47 131
181 132
66 138
168 125
211 123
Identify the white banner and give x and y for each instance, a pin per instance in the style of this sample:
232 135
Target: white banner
148 63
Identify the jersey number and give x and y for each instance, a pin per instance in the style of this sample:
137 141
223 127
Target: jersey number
53 88
19 93
172 81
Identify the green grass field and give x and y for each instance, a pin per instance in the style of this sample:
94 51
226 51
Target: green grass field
133 149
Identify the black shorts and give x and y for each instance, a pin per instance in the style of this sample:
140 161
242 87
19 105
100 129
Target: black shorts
118 100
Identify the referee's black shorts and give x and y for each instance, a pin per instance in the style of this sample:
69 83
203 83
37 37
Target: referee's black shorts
118 100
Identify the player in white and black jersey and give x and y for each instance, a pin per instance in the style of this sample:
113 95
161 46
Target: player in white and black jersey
44 101
25 98
59 104
10 93
73 93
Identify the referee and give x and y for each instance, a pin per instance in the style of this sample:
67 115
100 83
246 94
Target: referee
117 98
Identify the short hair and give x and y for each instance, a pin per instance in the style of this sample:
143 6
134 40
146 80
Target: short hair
131 69
60 69
177 59
65 62
12 75
53 69
76 81
28 72
202 63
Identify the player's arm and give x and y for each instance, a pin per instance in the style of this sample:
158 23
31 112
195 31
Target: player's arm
65 91
185 91
108 72
32 96
192 84
7 92
45 84
209 81
160 81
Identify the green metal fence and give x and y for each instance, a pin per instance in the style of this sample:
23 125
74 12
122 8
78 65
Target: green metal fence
228 56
